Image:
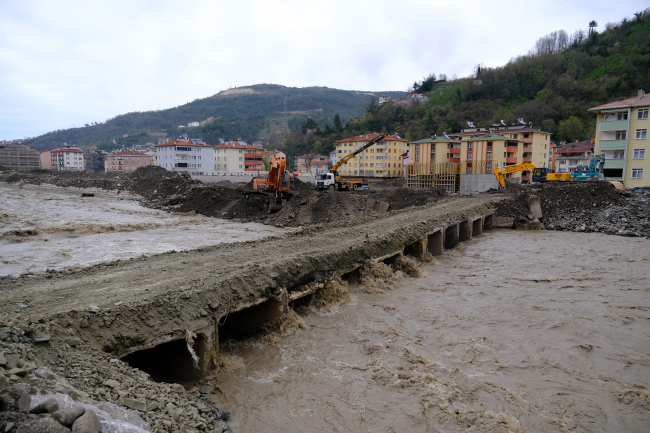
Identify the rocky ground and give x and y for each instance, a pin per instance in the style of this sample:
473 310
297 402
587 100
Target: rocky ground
124 398
580 207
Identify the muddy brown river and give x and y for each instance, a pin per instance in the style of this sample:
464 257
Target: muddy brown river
512 332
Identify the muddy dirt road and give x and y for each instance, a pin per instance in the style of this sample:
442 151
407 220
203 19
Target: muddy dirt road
515 331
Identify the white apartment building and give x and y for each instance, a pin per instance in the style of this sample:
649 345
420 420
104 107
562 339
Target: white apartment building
70 158
184 156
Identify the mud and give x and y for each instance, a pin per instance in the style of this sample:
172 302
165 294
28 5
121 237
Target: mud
513 332
126 303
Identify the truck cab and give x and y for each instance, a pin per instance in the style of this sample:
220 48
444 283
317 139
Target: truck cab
324 181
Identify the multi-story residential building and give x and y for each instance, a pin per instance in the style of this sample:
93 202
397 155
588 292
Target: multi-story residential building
572 155
384 159
237 156
19 156
95 162
333 158
271 153
185 156
622 137
126 161
312 163
70 158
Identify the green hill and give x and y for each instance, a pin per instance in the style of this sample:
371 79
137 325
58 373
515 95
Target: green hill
251 113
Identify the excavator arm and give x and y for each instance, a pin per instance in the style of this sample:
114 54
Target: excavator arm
372 142
500 174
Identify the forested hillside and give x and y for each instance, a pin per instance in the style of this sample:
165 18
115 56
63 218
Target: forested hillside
251 113
552 86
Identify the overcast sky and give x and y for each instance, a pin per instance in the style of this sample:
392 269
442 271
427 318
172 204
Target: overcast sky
65 63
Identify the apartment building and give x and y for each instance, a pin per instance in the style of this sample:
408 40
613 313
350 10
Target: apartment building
69 158
185 156
236 156
271 153
384 159
311 163
19 156
570 156
622 137
126 161
504 145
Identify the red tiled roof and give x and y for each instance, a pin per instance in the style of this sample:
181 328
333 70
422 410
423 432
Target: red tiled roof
64 150
236 145
367 137
625 103
182 143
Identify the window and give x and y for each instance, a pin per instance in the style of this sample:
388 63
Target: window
622 116
516 136
526 135
619 154
641 134
621 135
469 156
637 173
639 153
489 156
488 166
642 114
470 145
504 154
417 147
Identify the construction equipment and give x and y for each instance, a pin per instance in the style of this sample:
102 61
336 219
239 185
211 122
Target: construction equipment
332 180
543 174
593 172
500 174
276 187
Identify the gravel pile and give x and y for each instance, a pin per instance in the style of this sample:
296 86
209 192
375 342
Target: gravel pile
75 375
582 207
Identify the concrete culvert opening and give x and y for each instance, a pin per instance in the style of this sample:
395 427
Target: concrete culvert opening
390 261
488 222
465 231
451 236
416 249
477 227
352 277
171 361
246 322
435 243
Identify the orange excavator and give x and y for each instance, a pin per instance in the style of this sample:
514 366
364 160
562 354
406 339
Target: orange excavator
276 188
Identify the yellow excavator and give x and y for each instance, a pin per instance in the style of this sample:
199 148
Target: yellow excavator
540 174
332 180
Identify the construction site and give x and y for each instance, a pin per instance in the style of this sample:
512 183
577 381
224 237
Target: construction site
390 307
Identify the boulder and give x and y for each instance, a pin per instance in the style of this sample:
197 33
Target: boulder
48 406
16 398
42 425
86 423
66 417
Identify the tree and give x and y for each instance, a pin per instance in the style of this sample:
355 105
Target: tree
337 123
309 124
571 129
592 25
266 163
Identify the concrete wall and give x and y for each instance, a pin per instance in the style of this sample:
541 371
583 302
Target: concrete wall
471 183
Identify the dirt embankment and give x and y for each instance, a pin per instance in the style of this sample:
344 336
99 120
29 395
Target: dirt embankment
170 191
581 206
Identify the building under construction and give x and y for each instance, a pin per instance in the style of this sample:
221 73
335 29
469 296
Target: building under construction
19 157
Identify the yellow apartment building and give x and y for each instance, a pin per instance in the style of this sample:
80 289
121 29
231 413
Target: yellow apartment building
381 160
622 137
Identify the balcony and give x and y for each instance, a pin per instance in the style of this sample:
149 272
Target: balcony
454 151
525 177
511 160
614 125
612 144
512 149
527 159
456 160
614 163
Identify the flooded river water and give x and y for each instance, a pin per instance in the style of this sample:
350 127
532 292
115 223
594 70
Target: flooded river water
512 332
48 227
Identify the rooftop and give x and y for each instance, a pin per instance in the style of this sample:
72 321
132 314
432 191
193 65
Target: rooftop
182 143
367 137
625 103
